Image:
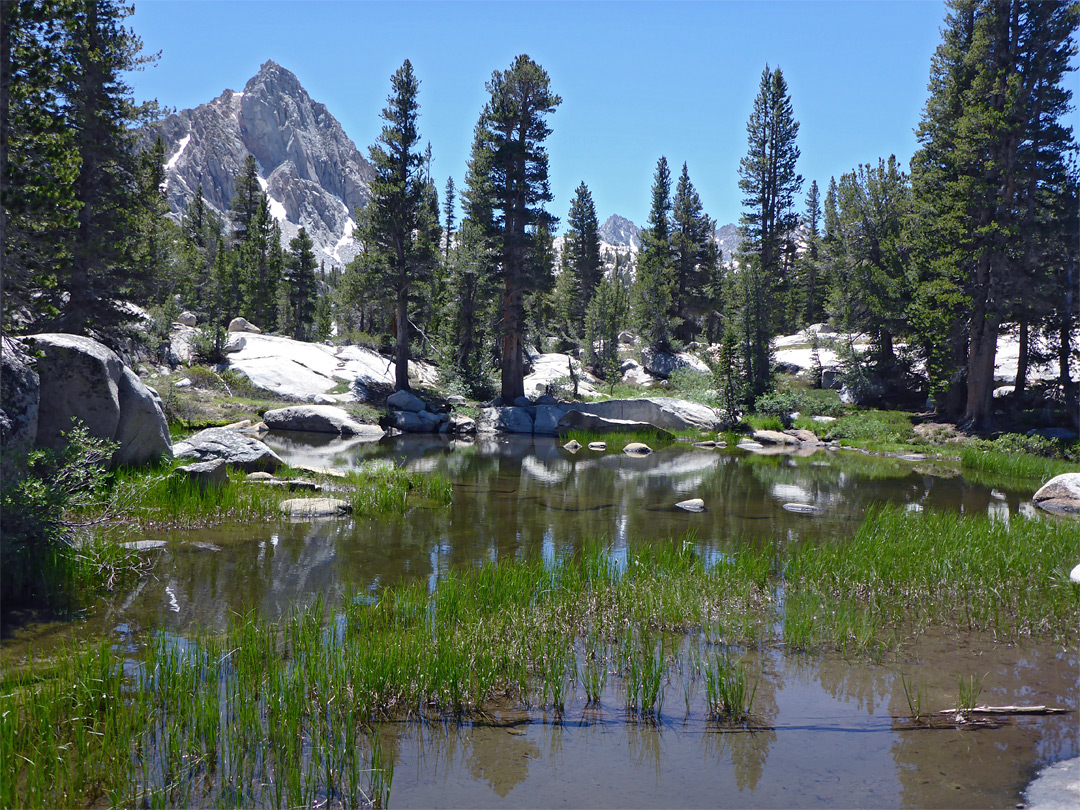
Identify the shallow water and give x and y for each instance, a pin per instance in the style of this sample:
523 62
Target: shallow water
830 736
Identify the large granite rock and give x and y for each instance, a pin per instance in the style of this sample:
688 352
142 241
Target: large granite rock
82 379
774 437
662 412
406 401
319 419
1060 494
661 364
19 396
242 451
578 420
509 420
546 421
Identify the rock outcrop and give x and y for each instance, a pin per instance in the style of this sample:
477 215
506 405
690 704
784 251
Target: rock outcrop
19 397
1060 494
311 170
590 422
319 419
85 380
234 448
662 364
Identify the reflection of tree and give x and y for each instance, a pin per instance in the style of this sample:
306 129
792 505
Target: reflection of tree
747 749
500 757
643 736
865 684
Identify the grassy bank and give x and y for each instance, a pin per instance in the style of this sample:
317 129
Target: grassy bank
157 499
286 713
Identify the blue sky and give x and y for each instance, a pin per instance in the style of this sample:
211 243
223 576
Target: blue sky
638 79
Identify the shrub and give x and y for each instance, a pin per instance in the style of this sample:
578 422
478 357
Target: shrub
41 562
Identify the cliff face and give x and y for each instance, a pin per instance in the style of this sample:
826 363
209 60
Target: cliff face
311 170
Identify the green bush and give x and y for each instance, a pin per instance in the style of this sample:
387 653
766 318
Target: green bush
41 560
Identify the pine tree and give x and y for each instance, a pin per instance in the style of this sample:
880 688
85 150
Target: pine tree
507 188
990 133
653 283
449 214
399 227
261 265
300 287
812 287
695 255
247 198
769 183
38 161
581 256
101 117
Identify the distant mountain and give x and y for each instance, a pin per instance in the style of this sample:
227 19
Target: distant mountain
727 236
310 169
619 231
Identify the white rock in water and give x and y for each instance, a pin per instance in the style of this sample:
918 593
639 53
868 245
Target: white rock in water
1074 575
692 505
802 508
598 445
1060 494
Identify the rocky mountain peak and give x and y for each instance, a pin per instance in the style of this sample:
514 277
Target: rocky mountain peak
618 230
311 170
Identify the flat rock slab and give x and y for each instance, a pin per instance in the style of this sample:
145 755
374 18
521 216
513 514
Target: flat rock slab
329 472
590 422
315 507
773 437
802 509
706 445
637 449
750 446
319 419
1060 494
144 545
293 485
598 446
692 505
206 474
804 436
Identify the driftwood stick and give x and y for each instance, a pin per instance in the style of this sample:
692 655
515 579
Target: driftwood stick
1007 710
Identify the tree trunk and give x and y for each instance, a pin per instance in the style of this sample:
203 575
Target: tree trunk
1068 385
982 348
513 369
1022 360
401 347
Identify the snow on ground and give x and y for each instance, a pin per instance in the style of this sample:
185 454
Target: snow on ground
277 210
183 145
345 239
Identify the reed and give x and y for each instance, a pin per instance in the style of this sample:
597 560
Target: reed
1002 467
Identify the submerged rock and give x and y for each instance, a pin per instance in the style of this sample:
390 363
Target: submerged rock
315 507
692 505
1060 494
598 446
637 449
802 508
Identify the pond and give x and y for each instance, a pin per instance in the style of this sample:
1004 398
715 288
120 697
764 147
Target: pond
827 732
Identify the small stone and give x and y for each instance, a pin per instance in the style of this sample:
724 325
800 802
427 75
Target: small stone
243 424
1074 575
705 445
259 476
187 318
183 382
637 449
598 446
315 507
456 399
802 508
329 472
242 325
745 445
692 505
573 446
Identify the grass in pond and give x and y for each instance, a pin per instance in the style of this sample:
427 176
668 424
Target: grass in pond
870 429
728 695
1005 467
616 441
904 571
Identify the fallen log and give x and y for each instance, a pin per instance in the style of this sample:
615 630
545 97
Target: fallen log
1007 710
